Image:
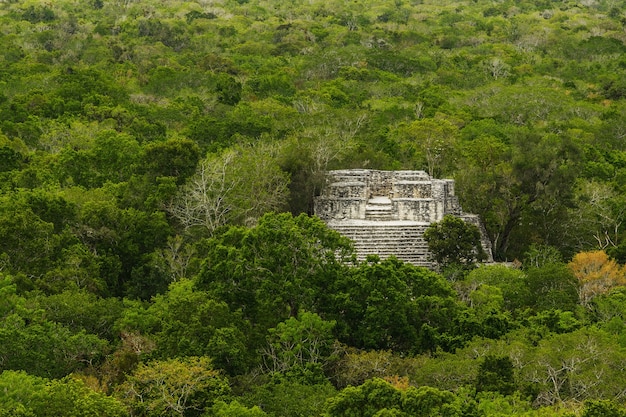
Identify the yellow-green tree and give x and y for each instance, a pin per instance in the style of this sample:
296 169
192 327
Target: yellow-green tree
173 387
596 273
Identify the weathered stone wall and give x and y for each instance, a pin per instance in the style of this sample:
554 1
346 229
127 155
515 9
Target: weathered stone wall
386 212
413 195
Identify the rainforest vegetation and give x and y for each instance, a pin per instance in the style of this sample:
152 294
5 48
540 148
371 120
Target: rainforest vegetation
158 164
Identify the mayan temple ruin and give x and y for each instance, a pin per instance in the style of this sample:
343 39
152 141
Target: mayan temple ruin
386 212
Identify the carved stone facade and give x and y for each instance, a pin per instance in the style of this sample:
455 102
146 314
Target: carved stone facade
387 212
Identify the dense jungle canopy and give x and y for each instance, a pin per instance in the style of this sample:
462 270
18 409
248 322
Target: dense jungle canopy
158 164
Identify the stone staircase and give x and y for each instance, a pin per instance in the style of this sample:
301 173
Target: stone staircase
379 208
404 240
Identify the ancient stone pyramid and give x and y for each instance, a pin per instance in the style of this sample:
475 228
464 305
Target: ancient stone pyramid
386 212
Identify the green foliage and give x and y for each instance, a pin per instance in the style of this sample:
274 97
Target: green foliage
235 409
511 283
377 397
83 311
33 343
299 344
539 256
112 158
495 374
45 348
355 367
28 241
427 401
275 269
552 286
391 305
186 322
10 159
564 365
174 387
124 240
25 395
228 89
171 158
365 400
602 408
216 196
491 403
453 241
290 397
108 196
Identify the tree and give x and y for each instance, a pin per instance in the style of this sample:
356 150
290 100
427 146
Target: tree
299 345
552 286
204 201
189 322
124 240
433 140
307 155
393 305
608 312
10 158
28 241
174 387
511 282
291 395
602 408
453 241
538 256
37 345
235 187
546 168
575 366
228 89
523 189
174 157
598 215
428 401
234 409
357 366
80 310
365 400
25 395
274 270
596 274
496 374
46 349
485 178
113 157
377 397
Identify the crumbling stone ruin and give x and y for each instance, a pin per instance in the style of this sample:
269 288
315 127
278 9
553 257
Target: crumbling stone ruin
386 212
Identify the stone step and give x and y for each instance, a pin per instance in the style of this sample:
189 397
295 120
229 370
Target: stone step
381 216
387 243
384 238
404 241
391 237
378 208
380 231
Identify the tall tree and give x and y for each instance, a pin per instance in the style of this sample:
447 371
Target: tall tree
234 187
389 304
274 269
453 241
596 274
173 387
432 141
299 345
